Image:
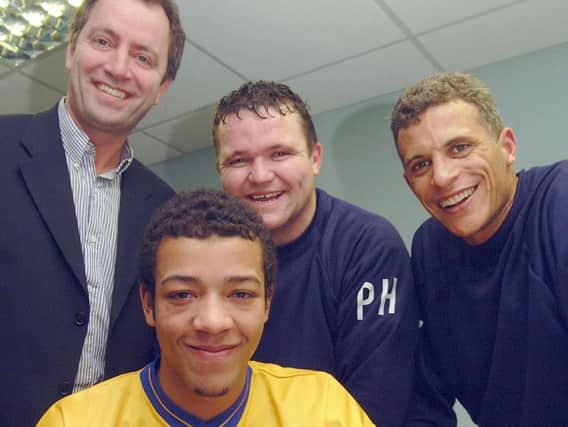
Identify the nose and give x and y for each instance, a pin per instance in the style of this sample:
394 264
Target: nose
212 316
443 172
118 64
260 171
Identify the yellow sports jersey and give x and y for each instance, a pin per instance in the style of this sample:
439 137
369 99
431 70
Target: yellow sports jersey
272 396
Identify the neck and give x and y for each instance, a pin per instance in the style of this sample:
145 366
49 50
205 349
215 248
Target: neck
107 154
108 145
500 217
193 402
297 225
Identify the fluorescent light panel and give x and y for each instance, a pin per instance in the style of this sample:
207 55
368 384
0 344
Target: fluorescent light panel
31 27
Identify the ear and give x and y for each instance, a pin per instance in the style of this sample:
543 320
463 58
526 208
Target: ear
69 52
147 300
163 89
508 144
316 157
267 309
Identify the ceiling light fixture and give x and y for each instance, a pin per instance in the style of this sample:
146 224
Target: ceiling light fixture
30 27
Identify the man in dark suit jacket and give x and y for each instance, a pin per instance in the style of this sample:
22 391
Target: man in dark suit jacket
75 204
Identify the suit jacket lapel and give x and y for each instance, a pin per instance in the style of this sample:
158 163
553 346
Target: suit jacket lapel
47 179
132 218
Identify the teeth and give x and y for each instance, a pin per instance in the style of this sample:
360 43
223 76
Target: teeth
454 200
111 91
267 196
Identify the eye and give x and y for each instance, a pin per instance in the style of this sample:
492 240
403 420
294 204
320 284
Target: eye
101 42
145 60
181 295
460 148
236 162
280 154
419 166
243 294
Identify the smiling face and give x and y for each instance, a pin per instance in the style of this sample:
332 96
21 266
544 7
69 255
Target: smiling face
209 311
117 65
459 170
266 162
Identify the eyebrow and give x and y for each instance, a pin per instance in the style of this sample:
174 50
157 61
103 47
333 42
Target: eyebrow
276 146
114 35
243 278
447 144
409 161
228 279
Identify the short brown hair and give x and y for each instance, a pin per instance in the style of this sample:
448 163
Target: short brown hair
259 97
439 89
177 35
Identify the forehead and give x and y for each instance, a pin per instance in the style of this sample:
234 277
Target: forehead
250 130
442 123
212 259
142 22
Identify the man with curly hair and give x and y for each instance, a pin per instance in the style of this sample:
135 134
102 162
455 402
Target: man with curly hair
491 265
345 296
207 272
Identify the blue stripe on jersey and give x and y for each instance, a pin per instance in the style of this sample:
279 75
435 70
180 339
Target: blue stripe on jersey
177 417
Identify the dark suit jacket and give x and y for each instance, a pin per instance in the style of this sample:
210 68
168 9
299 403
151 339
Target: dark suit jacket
44 302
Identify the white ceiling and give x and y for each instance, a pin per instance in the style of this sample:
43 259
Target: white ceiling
332 52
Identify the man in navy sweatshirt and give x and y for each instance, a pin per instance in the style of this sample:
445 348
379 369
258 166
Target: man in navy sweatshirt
344 302
491 265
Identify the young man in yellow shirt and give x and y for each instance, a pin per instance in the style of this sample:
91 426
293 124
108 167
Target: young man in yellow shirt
207 271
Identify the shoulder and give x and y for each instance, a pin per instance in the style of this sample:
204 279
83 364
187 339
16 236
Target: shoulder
108 389
300 394
101 394
276 374
345 221
543 194
277 380
107 403
138 174
13 127
538 180
15 120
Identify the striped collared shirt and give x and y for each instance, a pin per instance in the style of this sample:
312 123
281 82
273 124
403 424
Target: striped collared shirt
97 203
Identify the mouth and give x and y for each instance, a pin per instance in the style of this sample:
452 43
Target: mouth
114 92
213 350
265 197
457 199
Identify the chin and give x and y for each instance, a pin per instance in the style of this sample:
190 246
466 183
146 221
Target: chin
210 392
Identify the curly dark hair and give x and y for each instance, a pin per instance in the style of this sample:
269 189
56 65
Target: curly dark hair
259 97
439 89
201 214
177 34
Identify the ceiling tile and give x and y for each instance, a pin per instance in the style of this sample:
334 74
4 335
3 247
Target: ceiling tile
187 133
200 81
24 95
383 71
276 40
149 151
3 69
50 69
420 15
510 32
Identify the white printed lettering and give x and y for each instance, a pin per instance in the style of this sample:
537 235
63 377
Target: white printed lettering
363 300
388 296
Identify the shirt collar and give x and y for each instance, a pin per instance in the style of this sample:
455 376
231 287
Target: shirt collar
76 142
177 417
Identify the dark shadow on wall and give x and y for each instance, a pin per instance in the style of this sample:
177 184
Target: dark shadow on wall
369 169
